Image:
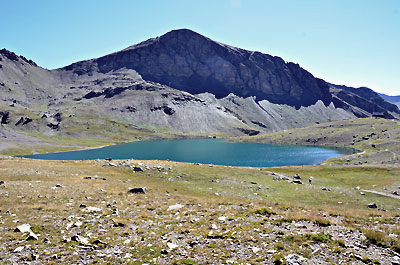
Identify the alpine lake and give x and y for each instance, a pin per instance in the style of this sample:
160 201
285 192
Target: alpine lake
206 151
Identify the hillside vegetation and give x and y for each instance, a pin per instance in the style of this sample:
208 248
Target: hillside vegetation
376 141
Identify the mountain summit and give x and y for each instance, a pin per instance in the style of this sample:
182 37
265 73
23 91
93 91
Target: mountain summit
188 61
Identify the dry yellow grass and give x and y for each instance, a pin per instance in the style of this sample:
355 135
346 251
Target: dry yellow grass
209 228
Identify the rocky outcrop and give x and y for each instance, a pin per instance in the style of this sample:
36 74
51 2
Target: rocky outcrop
4 117
12 56
364 98
188 61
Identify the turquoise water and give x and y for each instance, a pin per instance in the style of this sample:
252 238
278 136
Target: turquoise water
206 151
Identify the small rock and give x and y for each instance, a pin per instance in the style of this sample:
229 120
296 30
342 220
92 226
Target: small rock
58 186
255 249
91 209
362 193
396 193
175 207
237 207
32 236
164 251
118 224
100 244
2 182
297 181
80 239
222 218
172 245
23 228
18 249
34 256
323 188
293 259
46 240
82 205
372 205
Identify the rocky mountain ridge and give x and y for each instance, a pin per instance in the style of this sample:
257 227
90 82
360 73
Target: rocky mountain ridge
181 83
190 62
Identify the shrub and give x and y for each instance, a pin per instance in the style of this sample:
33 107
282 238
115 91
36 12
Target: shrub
278 260
319 237
375 237
323 222
265 211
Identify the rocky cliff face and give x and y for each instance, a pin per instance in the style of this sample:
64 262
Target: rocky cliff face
190 62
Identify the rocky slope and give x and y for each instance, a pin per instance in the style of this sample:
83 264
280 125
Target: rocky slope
179 83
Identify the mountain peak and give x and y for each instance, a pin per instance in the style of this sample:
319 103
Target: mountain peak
188 61
173 35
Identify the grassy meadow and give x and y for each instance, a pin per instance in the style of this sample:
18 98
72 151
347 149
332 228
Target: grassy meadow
224 215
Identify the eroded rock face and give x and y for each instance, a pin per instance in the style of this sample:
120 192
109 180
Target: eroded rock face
193 63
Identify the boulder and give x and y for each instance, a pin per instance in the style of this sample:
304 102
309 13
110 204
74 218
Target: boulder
80 239
31 236
372 205
137 169
4 117
175 207
23 228
297 176
137 190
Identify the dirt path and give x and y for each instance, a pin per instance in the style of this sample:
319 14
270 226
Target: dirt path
383 194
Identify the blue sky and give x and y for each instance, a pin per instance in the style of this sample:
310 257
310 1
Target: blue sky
349 42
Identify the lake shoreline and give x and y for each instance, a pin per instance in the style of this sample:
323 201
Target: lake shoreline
217 151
